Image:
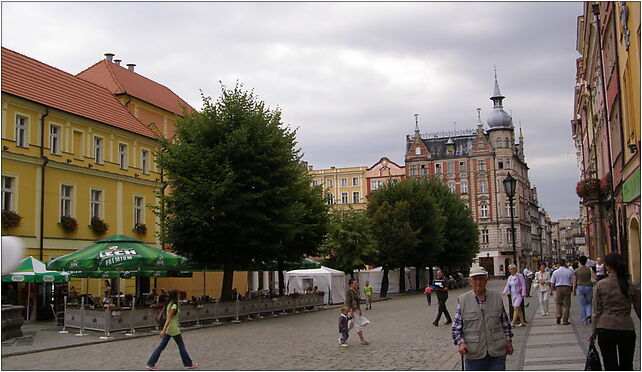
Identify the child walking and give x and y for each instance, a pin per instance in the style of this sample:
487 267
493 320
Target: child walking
343 327
171 330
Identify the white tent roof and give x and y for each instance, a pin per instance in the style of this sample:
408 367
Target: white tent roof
322 270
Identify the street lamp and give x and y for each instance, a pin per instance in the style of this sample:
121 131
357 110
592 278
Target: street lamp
509 186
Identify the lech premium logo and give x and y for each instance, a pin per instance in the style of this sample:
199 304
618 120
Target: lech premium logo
115 254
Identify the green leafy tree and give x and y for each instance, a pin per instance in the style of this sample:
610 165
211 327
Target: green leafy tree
424 218
234 179
461 235
350 243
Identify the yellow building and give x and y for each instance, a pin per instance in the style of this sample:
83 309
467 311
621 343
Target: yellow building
75 148
344 188
627 22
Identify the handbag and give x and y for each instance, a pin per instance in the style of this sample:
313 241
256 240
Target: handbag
593 362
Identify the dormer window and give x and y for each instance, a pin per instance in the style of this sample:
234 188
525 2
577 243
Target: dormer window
480 145
450 149
417 150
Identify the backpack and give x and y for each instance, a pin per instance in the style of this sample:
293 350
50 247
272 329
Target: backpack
161 317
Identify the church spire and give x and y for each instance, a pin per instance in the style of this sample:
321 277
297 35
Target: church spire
497 94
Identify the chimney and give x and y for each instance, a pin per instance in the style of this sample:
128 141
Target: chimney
130 67
117 61
310 167
109 56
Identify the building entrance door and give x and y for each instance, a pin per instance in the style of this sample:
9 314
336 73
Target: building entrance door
488 263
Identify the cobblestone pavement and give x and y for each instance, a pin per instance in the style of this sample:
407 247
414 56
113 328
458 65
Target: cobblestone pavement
401 334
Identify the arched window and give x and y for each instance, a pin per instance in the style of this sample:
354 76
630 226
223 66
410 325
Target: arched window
417 150
507 143
483 210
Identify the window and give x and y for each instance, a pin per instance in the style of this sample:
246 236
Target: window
144 161
355 181
480 145
138 209
451 186
413 170
344 198
483 186
509 236
329 182
483 211
462 167
8 192
507 164
424 170
484 236
122 155
500 164
481 165
344 182
315 183
464 187
94 207
506 142
508 210
451 167
438 168
355 197
330 198
98 150
22 124
417 150
54 139
66 194
499 143
376 184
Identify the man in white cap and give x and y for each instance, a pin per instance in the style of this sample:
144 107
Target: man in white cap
481 327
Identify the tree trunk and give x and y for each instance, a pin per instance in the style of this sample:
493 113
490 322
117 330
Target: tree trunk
228 281
279 266
351 274
402 279
384 284
431 276
417 286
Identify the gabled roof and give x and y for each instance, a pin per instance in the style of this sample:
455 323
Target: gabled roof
35 81
120 80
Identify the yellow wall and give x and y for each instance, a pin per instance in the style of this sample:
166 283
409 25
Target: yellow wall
321 176
194 286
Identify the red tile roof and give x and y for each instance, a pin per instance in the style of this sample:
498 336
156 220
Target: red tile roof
120 80
33 80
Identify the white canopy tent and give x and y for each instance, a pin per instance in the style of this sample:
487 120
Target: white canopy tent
375 276
328 280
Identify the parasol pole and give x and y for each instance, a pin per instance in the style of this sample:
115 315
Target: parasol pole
28 298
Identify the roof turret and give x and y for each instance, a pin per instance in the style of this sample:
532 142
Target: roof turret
498 118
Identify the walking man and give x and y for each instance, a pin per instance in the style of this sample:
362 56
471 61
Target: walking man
561 283
367 290
352 302
583 287
482 329
440 286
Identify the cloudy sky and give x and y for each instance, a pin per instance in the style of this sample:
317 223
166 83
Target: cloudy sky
350 76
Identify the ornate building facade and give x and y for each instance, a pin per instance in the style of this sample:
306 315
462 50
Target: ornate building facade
474 163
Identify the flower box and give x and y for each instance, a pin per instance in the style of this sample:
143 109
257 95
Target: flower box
140 228
68 223
10 219
98 225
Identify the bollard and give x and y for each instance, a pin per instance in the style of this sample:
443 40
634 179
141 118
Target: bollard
216 321
237 305
132 331
107 326
82 318
64 318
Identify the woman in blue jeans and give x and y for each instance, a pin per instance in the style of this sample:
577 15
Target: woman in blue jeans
171 330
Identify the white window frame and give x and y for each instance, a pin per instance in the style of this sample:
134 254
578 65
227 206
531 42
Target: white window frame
483 186
144 161
417 150
508 210
139 210
439 169
413 170
463 168
22 130
329 182
99 149
10 191
55 139
451 185
355 181
509 235
451 167
355 197
485 237
483 210
481 165
123 157
98 203
344 182
66 199
344 198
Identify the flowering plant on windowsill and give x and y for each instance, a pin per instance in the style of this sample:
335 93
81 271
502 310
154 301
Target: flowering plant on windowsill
68 223
98 225
10 219
140 228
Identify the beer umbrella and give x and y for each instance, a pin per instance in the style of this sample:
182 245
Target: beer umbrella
119 253
30 270
130 274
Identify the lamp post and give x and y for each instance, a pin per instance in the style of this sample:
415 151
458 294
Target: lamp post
509 186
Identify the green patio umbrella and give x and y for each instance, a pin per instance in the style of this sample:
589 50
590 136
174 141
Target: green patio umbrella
130 274
30 270
119 253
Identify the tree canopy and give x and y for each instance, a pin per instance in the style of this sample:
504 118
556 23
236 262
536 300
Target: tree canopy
238 193
349 243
